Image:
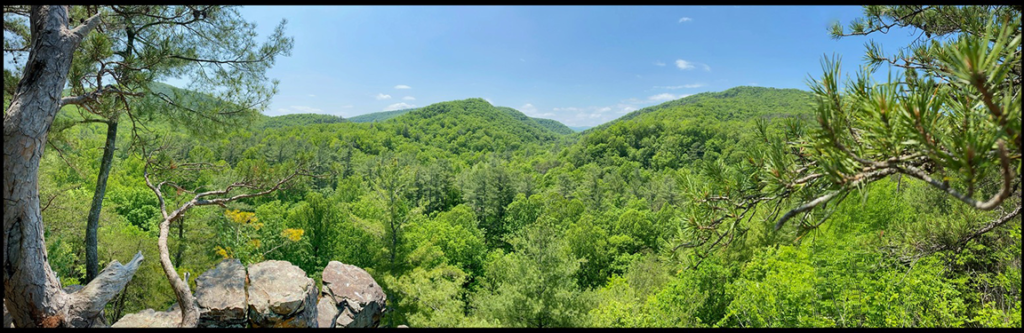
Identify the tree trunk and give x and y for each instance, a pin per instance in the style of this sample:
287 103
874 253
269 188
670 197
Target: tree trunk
187 303
92 259
32 287
181 242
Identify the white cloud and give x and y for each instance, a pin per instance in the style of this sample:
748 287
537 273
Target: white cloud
399 106
666 97
687 86
593 115
402 86
662 97
659 63
311 95
381 97
346 106
685 19
488 100
683 64
528 108
409 98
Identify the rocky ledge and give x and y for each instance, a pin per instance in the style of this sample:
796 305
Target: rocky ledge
276 294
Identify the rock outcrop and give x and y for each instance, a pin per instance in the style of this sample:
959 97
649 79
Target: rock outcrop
349 298
274 294
280 295
151 318
221 296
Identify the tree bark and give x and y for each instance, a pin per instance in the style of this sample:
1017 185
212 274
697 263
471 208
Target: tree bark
29 284
187 303
181 241
92 265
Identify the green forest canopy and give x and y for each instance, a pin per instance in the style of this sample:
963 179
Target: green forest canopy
490 197
505 220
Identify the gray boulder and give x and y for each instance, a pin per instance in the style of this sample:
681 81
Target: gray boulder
280 295
326 313
151 318
220 295
357 300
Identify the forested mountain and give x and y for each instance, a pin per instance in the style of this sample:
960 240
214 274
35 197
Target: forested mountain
300 119
679 132
552 125
748 102
485 195
471 125
378 116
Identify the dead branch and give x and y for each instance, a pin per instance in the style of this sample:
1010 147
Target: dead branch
189 312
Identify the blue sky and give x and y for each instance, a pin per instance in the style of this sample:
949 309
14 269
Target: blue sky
579 65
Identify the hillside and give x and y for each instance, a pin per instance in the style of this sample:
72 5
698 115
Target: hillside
471 125
378 116
607 206
754 100
302 119
552 125
549 124
704 126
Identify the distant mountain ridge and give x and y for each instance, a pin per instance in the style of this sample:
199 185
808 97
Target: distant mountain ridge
474 125
379 116
696 99
297 119
701 127
550 124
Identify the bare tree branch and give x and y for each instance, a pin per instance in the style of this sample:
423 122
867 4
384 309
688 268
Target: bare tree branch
189 312
884 28
87 26
92 96
860 179
95 295
1004 191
